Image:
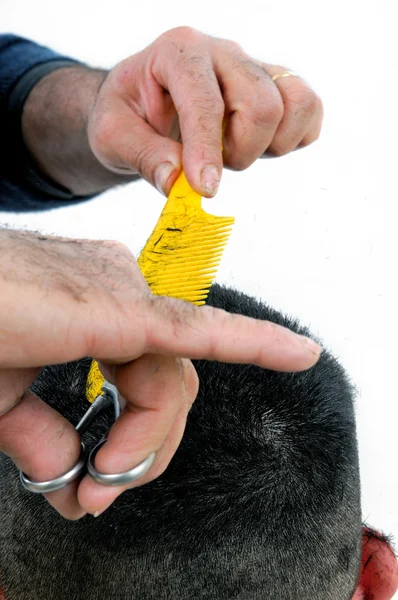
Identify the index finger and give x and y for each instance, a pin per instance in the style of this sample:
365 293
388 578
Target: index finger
171 327
186 70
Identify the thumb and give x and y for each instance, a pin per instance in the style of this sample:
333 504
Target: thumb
123 142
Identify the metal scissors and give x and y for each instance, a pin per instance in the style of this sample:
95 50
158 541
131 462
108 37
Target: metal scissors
86 460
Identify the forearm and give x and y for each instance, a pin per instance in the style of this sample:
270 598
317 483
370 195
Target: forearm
54 127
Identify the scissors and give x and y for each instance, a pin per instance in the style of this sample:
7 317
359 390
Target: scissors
86 460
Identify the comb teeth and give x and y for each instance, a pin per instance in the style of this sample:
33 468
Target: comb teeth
181 257
183 264
184 272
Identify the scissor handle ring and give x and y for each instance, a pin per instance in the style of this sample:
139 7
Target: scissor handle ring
43 487
113 479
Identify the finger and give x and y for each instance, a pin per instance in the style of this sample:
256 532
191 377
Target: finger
154 389
65 501
43 445
300 106
13 385
253 102
149 324
124 142
153 421
161 325
96 498
315 127
183 65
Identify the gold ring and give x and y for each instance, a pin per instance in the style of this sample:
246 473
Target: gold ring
284 74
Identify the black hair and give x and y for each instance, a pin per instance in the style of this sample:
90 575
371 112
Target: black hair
261 500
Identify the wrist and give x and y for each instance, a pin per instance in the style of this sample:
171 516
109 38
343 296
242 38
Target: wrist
54 129
58 107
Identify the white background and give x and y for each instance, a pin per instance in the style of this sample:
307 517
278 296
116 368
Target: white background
316 231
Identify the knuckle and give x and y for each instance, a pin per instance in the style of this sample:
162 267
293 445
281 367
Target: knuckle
232 46
169 310
196 68
184 34
272 110
212 315
262 104
265 111
304 102
183 30
142 159
209 105
272 331
251 70
9 402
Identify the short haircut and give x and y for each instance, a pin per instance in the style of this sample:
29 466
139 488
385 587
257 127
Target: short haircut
261 500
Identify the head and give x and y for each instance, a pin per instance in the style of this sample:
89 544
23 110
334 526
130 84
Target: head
261 501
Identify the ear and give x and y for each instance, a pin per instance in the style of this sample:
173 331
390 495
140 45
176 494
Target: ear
379 568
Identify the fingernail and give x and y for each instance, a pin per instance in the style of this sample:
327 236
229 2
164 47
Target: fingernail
99 512
162 175
311 345
210 179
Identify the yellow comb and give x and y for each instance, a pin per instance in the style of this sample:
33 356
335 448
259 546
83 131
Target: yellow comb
181 257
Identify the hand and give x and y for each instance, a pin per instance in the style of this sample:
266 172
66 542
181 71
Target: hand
201 79
66 299
100 130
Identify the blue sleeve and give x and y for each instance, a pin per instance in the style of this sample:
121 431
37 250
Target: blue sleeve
22 186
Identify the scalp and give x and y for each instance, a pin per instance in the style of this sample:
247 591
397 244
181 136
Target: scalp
262 499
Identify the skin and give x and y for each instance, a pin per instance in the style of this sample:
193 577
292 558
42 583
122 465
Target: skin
184 83
378 578
64 299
